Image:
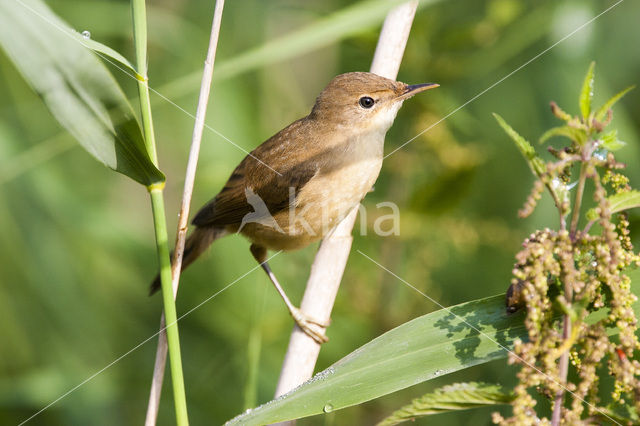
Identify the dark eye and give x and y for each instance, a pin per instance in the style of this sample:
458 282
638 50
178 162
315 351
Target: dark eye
366 102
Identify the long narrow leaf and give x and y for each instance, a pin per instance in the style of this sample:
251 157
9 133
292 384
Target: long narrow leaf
533 160
586 94
458 396
104 50
76 87
427 347
602 111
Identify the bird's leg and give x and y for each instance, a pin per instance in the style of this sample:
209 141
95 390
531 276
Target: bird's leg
303 320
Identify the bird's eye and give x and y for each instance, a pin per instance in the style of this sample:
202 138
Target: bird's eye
366 102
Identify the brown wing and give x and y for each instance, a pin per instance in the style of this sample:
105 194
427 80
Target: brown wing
255 173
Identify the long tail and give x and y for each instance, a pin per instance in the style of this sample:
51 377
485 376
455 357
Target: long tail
199 240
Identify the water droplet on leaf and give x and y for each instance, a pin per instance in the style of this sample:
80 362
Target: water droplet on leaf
328 408
86 34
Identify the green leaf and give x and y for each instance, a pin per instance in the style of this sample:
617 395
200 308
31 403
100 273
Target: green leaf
427 347
610 141
424 348
458 396
618 202
624 201
102 49
535 162
586 94
76 87
572 133
602 111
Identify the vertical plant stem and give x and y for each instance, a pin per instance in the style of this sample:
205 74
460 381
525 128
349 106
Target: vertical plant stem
159 219
563 363
192 163
578 201
563 370
173 340
331 259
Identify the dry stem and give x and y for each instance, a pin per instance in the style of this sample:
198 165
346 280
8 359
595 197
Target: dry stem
203 99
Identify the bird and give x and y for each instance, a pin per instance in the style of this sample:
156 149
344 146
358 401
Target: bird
300 183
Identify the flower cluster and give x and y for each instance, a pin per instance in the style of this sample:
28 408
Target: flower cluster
572 281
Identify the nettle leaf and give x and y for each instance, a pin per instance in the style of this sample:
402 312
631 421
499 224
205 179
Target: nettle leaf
624 201
458 396
533 159
76 87
586 94
610 141
602 111
572 133
618 202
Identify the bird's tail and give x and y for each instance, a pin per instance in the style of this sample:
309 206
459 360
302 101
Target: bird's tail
199 240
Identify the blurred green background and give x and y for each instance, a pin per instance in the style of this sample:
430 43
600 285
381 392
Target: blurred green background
76 240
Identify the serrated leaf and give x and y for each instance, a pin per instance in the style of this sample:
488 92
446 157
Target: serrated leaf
602 111
610 141
76 87
586 94
624 201
618 202
572 133
458 396
526 149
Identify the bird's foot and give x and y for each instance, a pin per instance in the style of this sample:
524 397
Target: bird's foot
311 326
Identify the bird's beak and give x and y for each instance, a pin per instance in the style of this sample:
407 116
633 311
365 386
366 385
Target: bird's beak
413 89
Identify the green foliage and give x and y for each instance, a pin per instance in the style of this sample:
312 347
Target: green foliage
585 275
422 349
586 94
419 350
604 109
76 87
526 149
458 396
623 201
75 264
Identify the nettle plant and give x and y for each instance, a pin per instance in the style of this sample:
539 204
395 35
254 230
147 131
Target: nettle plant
572 280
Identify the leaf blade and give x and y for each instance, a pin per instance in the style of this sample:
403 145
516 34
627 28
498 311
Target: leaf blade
602 111
76 87
624 201
526 149
586 94
433 345
424 348
458 396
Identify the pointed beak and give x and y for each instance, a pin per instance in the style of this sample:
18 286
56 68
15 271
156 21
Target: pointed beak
413 89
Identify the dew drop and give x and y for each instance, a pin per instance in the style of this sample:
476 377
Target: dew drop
86 34
328 408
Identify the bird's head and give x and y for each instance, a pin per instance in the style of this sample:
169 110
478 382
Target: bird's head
364 100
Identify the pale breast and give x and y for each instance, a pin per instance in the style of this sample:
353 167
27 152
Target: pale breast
330 195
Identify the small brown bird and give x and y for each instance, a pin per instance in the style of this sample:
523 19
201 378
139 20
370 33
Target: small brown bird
299 184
